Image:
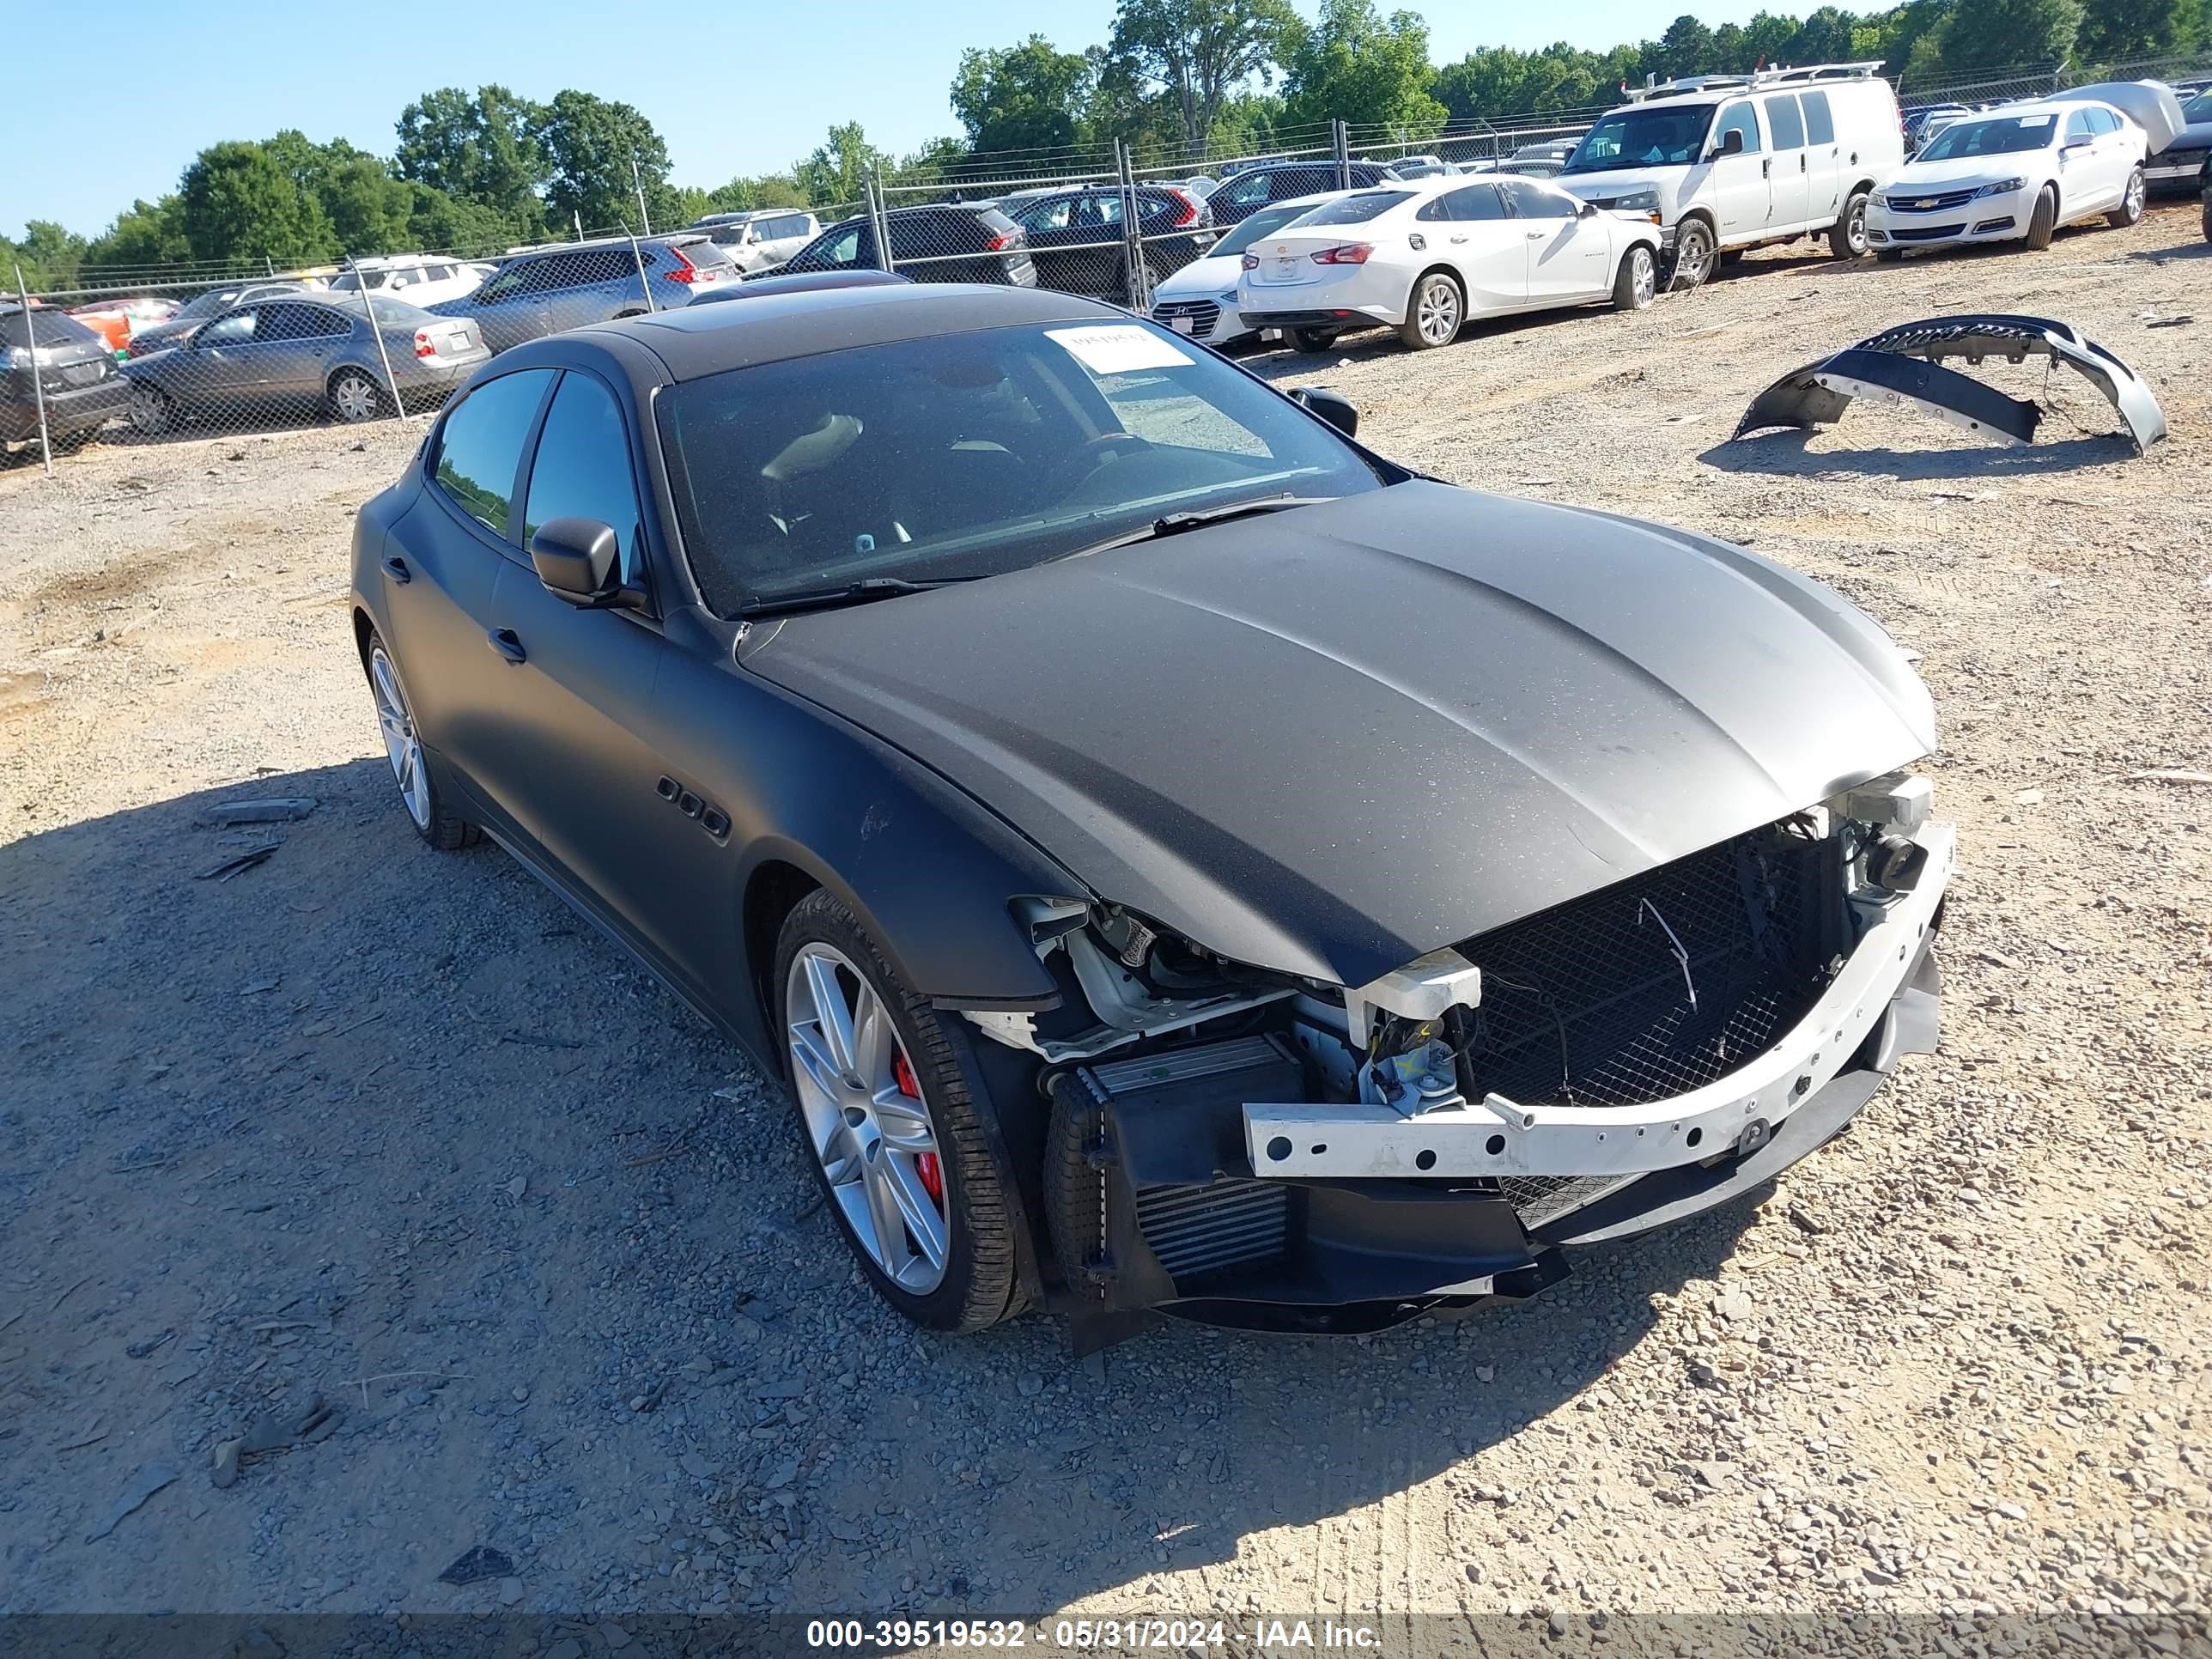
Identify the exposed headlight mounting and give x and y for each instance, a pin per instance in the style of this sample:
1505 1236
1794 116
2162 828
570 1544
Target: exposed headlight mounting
1899 802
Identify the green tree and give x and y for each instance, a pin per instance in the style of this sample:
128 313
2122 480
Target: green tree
50 256
480 148
149 234
1823 38
440 221
1687 48
367 208
2114 31
1027 97
241 203
1979 34
769 190
1355 66
833 175
592 145
1196 53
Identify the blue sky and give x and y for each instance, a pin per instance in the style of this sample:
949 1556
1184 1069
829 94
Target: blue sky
734 86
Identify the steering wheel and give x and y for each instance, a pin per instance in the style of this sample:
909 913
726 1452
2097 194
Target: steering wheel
1106 442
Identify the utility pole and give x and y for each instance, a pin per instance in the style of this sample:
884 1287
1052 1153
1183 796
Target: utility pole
638 180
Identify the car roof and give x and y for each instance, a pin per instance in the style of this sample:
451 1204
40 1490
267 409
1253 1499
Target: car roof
696 341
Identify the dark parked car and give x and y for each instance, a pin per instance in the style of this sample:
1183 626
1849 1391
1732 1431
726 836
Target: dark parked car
1543 160
544 290
49 353
1280 181
1000 716
203 308
302 353
954 242
2176 167
1075 236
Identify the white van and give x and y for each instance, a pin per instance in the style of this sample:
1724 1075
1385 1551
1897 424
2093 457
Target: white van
761 239
1725 162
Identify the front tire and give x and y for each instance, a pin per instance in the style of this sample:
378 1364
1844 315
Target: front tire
2131 209
887 1122
2044 222
1636 283
1694 249
419 794
354 396
1847 237
1434 312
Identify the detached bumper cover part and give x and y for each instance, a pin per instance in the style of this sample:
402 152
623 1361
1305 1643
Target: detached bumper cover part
1819 393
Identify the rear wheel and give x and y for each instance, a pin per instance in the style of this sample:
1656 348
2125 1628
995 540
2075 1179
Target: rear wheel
410 769
2044 221
2131 209
1847 237
887 1122
1636 283
1693 254
1434 312
354 396
1313 339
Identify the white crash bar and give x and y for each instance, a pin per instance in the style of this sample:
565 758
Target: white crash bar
1499 1137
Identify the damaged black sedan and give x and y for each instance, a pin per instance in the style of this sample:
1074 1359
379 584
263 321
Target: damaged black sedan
1177 860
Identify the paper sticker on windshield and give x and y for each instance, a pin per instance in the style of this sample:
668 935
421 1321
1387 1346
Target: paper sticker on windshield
1118 348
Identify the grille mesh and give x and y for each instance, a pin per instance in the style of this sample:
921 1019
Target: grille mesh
1203 314
1191 1229
1587 1005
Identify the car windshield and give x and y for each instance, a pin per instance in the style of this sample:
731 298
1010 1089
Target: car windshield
207 305
1672 136
46 327
1266 223
2007 136
1356 210
971 454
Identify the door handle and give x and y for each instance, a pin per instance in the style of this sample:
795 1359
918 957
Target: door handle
1766 166
395 568
504 641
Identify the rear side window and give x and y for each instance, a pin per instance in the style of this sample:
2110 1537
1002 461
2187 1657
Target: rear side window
480 446
1820 124
1738 118
1287 182
1356 210
300 322
1468 203
1788 126
582 467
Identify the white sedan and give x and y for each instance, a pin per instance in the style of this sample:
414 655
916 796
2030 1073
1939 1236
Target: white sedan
1200 299
2013 174
1426 256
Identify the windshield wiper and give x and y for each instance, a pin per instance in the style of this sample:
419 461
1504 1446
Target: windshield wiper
856 592
1173 524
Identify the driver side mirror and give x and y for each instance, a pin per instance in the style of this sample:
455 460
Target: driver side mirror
578 560
1334 407
1731 142
1585 211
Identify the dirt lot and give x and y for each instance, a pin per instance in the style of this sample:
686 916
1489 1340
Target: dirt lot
393 1125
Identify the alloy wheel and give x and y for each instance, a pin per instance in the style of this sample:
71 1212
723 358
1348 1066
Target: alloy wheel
866 1118
151 412
1644 275
1855 235
2134 204
1694 256
353 397
401 746
1438 312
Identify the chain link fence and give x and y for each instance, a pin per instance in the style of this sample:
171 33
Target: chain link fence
186 351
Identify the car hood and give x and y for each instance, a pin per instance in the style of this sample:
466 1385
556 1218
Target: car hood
1624 181
1203 279
1331 740
1922 178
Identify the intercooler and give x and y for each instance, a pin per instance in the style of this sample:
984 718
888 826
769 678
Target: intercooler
1659 984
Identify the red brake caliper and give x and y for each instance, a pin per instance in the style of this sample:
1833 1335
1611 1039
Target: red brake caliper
925 1164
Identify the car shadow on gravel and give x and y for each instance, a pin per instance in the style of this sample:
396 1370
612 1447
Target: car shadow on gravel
395 1127
1789 455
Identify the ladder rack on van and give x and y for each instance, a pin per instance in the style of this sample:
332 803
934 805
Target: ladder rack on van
1757 78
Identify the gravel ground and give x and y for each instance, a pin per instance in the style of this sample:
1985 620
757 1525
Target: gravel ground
394 1128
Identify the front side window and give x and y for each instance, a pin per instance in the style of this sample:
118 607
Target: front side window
1668 136
970 454
480 445
1050 214
2078 131
1738 118
235 330
581 470
1243 192
1533 201
839 249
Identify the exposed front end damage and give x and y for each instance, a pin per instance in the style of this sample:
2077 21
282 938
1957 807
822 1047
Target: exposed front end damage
1240 1147
1905 365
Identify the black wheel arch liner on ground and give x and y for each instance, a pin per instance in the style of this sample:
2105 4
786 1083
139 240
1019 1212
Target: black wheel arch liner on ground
1818 394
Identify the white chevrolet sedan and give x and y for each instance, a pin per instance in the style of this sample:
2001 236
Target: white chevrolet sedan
2013 174
1425 257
